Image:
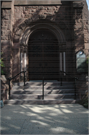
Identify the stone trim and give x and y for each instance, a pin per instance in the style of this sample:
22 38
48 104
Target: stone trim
54 29
37 2
86 45
6 4
78 4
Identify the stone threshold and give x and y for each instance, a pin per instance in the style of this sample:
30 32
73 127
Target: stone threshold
40 102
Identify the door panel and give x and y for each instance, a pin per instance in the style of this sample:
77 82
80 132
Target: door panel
43 56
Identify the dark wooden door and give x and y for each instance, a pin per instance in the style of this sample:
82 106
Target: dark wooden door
43 56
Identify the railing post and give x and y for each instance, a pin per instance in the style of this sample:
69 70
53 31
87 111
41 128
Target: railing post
9 87
75 86
43 88
61 81
24 78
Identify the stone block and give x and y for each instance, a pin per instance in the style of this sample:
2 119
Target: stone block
9 26
87 46
3 79
4 38
6 4
77 4
20 2
37 2
26 16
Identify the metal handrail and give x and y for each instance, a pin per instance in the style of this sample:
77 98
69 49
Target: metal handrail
69 74
75 78
15 77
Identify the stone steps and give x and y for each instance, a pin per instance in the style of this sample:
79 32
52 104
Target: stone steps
45 87
47 96
37 92
31 93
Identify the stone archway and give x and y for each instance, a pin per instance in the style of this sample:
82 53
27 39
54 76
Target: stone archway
30 31
43 55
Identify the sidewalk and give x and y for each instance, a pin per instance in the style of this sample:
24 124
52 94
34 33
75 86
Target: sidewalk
44 119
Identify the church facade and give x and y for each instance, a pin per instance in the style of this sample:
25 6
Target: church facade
44 37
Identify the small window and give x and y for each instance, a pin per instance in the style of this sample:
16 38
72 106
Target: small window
81 62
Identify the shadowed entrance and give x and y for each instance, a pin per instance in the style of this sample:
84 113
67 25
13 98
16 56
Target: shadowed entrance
43 52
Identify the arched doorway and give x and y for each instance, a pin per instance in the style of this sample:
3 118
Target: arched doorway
43 55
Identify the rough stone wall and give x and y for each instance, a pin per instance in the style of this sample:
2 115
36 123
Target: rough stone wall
53 13
68 18
60 15
4 88
6 40
86 27
71 18
82 85
78 29
82 32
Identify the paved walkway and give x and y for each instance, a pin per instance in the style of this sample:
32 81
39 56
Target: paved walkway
44 119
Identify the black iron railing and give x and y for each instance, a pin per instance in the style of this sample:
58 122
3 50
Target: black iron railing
43 88
61 82
71 76
9 79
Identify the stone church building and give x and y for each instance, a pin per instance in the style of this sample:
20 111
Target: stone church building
45 38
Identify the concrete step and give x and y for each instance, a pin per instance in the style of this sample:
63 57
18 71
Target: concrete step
47 96
30 91
59 87
35 83
40 87
40 81
40 101
59 96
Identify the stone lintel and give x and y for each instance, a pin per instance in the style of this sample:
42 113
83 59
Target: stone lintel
78 4
6 4
86 45
37 2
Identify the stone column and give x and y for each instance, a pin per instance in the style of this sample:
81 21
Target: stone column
6 40
85 15
78 29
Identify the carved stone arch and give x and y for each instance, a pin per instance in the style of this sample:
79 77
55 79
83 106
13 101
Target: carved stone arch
52 27
23 28
32 27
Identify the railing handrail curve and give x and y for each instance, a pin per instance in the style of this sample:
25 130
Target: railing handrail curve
13 78
69 74
15 75
75 78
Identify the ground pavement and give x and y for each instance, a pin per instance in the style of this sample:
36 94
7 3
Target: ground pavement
44 119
